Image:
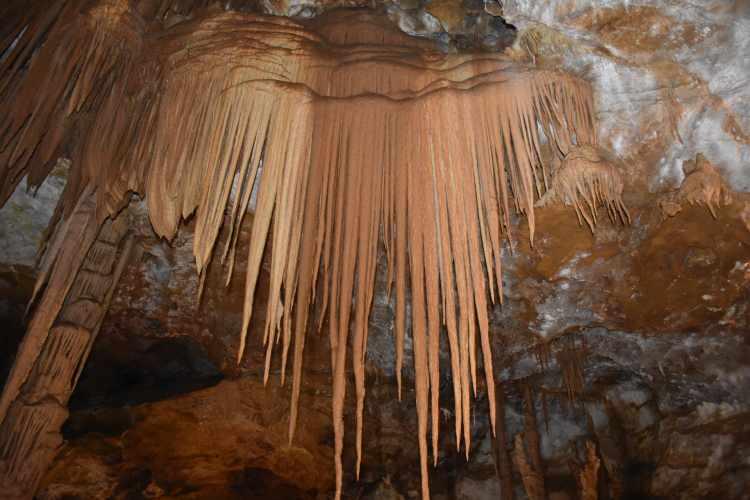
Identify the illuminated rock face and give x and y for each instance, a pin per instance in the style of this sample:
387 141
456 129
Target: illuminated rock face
661 307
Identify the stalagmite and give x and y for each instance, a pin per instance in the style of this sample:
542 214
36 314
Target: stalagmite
351 133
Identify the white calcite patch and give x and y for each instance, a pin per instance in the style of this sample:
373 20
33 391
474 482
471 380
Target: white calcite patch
703 131
630 96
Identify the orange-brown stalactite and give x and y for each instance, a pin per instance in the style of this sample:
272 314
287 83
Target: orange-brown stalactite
533 482
533 441
503 465
588 479
587 180
350 132
703 185
571 358
542 351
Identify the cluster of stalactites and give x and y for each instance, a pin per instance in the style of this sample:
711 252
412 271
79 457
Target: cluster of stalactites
58 63
702 185
586 180
346 147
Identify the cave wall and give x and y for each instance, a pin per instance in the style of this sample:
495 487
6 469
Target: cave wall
658 309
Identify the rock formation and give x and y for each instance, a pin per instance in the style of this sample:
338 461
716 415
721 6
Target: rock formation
371 162
56 346
337 172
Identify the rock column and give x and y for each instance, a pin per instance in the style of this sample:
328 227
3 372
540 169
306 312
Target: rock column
58 340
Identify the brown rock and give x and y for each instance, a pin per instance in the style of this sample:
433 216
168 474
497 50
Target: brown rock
450 14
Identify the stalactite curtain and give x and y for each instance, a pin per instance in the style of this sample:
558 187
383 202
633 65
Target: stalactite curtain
353 133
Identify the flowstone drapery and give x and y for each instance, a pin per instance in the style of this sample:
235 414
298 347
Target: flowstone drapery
351 133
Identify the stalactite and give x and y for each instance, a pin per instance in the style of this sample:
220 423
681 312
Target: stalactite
533 482
545 410
503 466
587 180
571 358
702 186
588 479
428 152
543 352
86 48
531 436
